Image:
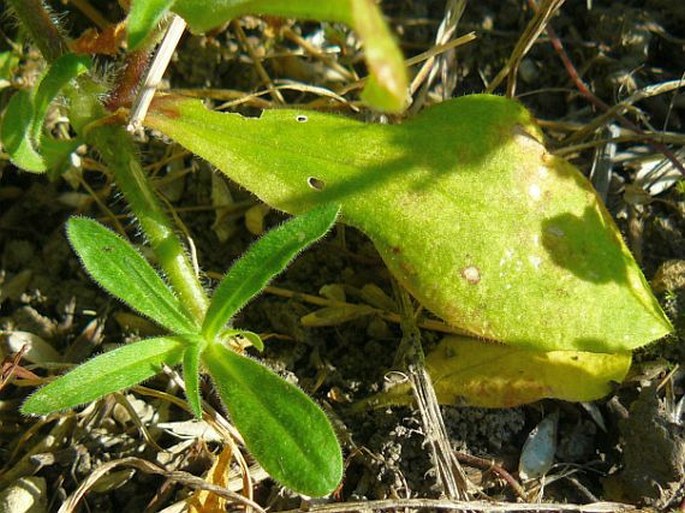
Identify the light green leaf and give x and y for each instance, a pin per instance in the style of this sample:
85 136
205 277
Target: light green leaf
283 428
262 262
60 73
17 131
191 375
387 87
115 370
465 205
23 120
124 273
143 18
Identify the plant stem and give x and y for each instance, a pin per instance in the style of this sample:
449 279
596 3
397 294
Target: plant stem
118 152
36 19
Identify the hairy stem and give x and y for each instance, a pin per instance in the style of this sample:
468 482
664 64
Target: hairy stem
117 150
35 18
90 119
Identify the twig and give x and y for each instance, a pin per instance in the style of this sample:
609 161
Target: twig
263 75
160 62
410 356
484 464
446 504
531 33
183 478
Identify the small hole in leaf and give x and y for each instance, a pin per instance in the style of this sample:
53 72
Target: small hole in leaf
315 183
301 118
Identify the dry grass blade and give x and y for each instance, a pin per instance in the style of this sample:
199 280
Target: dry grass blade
475 506
184 478
410 355
533 30
429 71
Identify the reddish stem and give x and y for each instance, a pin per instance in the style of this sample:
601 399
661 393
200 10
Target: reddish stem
128 80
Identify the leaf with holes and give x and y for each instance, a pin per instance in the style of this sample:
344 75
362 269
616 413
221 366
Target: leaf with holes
465 205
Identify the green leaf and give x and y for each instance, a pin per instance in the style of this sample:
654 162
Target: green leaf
124 273
115 370
191 376
143 18
60 73
23 120
17 131
264 260
9 61
254 339
465 205
288 434
387 87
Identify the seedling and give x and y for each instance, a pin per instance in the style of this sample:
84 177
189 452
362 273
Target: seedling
283 428
547 273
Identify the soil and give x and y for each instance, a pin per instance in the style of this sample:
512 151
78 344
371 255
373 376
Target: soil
628 447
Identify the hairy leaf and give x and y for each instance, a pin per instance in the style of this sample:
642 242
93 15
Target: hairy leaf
124 273
17 131
284 429
467 208
23 120
386 88
143 18
109 372
191 376
262 262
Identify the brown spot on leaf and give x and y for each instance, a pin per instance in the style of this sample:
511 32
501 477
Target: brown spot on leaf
471 274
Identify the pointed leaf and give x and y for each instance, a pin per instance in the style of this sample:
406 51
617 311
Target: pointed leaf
124 273
254 339
467 208
115 370
143 18
262 262
191 377
387 87
284 429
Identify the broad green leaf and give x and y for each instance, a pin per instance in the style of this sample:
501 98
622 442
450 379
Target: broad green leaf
262 262
465 205
124 273
387 87
109 372
288 434
23 120
191 376
143 18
